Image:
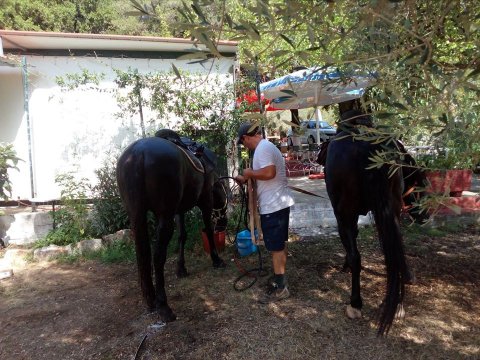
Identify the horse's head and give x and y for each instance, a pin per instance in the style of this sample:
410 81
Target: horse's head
220 204
414 185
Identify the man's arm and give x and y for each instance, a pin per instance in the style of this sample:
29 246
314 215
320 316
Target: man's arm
266 173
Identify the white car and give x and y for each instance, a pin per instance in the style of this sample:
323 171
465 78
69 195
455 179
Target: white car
308 132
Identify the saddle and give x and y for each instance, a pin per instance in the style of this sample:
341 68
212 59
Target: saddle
203 159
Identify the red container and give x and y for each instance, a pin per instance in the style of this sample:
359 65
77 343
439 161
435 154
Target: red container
218 238
453 181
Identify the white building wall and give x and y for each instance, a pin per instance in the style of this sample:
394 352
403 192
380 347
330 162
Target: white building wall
75 129
13 127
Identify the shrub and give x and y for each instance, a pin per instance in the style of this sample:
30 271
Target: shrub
8 160
108 214
72 217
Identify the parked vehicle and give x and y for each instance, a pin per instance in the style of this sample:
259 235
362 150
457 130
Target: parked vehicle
308 132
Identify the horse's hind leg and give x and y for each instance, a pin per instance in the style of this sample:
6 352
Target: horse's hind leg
182 238
163 235
348 230
144 259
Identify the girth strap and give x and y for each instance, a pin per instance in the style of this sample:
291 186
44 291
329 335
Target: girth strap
197 164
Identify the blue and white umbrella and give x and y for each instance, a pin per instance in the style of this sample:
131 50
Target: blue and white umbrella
314 87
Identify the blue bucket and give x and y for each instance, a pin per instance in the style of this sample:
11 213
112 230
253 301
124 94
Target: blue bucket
245 245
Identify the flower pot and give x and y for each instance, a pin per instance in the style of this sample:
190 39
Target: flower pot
453 182
218 238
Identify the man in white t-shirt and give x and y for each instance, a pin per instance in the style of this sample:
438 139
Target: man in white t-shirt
274 201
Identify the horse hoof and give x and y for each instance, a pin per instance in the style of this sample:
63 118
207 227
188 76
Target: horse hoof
410 279
353 313
400 313
219 264
167 315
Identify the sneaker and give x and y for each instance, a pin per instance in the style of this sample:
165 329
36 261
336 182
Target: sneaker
274 294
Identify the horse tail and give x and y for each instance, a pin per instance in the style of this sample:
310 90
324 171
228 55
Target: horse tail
386 212
131 175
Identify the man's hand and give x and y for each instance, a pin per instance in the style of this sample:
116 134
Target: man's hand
247 174
240 179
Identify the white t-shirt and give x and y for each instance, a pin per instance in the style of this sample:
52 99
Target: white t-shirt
274 194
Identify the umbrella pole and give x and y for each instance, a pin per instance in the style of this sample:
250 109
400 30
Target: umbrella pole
318 116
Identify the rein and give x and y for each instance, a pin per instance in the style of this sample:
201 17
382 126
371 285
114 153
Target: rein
306 192
217 213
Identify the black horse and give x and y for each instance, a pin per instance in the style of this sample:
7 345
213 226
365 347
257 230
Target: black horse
355 190
161 175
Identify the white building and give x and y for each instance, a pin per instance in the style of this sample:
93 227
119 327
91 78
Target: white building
53 130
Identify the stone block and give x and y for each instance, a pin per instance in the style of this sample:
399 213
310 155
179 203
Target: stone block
16 257
89 245
51 251
6 273
25 227
121 235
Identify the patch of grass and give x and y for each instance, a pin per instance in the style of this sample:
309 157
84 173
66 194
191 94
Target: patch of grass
118 252
59 237
69 258
417 232
29 257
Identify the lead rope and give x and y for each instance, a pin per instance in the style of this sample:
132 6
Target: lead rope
254 273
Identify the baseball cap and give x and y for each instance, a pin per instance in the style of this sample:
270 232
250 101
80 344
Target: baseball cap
246 129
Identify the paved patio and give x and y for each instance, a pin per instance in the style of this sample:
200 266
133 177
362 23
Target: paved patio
312 216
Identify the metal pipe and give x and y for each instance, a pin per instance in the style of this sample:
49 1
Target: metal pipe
26 108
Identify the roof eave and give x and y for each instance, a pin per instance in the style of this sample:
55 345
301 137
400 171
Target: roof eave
25 40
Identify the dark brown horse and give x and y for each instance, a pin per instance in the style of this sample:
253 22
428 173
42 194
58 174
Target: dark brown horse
157 175
355 188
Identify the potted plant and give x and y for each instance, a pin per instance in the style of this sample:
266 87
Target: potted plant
449 172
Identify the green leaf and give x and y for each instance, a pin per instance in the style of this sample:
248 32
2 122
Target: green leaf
425 55
278 53
392 170
229 21
195 55
137 6
472 72
177 73
311 34
400 106
290 42
455 208
289 123
134 13
199 12
409 59
385 115
253 116
443 118
289 92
